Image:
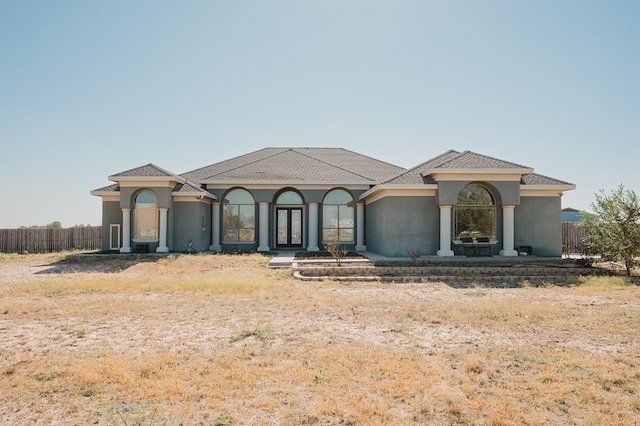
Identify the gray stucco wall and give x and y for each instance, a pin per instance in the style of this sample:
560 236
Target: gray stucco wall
164 195
188 221
395 224
504 192
538 224
270 196
111 214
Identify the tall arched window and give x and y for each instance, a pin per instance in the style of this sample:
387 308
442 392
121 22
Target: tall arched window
145 216
475 213
338 217
238 216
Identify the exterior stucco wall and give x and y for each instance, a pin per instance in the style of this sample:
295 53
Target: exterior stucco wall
270 196
538 224
191 223
164 195
165 200
505 193
395 224
111 214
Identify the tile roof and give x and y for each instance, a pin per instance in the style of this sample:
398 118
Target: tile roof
110 188
465 160
298 165
148 170
413 175
536 179
189 188
472 160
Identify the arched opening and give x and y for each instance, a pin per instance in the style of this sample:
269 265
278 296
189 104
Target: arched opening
145 216
289 219
289 198
338 217
475 213
238 216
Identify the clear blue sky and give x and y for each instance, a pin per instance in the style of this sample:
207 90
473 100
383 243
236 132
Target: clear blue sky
92 88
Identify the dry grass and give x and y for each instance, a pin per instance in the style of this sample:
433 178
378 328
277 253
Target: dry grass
223 340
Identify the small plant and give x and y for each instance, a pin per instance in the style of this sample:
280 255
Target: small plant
261 333
414 254
223 421
336 251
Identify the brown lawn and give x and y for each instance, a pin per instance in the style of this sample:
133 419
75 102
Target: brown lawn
221 339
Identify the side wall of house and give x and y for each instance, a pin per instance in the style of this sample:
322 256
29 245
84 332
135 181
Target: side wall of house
396 224
538 224
111 214
192 224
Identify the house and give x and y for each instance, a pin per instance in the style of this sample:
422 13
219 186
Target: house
301 198
571 215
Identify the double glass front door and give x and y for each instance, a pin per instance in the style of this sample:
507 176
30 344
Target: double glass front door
289 227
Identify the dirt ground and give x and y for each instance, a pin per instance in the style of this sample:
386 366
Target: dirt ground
222 340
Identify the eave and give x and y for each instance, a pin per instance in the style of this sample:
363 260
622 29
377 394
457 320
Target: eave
384 190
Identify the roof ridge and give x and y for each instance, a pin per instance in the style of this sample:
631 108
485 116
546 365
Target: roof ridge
497 159
244 164
460 154
372 158
549 177
333 165
416 167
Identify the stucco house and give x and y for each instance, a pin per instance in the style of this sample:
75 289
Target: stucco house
301 198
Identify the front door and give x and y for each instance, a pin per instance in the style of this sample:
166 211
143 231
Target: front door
289 226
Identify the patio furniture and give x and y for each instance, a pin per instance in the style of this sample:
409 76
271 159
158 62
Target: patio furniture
483 247
468 246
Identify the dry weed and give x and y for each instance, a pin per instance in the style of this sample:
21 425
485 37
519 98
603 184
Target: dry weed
222 340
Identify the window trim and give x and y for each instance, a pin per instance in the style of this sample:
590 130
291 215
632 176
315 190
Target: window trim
239 229
488 207
349 205
141 238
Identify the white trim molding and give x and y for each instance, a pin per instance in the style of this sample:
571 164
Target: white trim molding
381 191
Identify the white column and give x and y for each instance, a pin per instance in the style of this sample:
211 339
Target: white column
126 231
162 247
215 227
507 231
360 227
313 227
445 231
264 226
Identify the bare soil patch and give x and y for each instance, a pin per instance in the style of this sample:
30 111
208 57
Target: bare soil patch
221 339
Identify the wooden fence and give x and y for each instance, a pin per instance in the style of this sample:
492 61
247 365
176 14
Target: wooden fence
572 236
35 240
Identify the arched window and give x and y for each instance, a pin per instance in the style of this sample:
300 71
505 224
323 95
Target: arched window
145 216
475 213
337 217
289 198
239 216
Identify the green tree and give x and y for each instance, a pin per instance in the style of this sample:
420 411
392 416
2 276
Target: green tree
614 228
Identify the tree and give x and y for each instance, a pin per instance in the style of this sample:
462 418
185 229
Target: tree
614 228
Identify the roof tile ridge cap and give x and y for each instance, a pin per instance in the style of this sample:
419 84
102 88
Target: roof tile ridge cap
223 161
337 167
439 164
500 160
372 158
460 154
548 177
416 167
245 164
167 172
